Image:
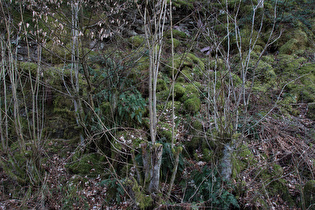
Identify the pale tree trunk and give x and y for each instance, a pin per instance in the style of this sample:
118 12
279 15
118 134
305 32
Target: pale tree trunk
154 21
75 61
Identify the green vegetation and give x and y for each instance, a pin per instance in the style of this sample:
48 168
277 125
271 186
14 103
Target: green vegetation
79 84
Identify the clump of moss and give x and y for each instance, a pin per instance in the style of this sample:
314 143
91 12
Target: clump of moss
161 85
88 164
191 90
189 64
28 66
136 41
289 47
165 131
176 34
242 158
288 63
192 105
176 42
179 91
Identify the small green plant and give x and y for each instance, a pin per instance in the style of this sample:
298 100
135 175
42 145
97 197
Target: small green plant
206 185
115 192
131 105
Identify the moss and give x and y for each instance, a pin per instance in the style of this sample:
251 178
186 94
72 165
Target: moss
191 91
176 42
265 72
28 66
242 159
197 125
164 131
143 201
309 193
183 3
88 164
192 105
293 41
136 41
189 63
268 59
161 85
177 106
246 36
179 91
289 47
288 63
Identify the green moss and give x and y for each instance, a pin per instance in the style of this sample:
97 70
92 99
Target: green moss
288 63
28 66
143 201
176 42
268 59
179 91
191 91
309 193
192 105
161 85
197 125
88 164
183 3
242 159
137 41
289 47
164 131
191 66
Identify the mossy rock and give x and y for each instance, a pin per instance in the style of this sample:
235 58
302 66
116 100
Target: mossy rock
191 91
197 126
168 106
192 105
88 164
289 64
161 85
189 64
242 158
293 41
176 43
309 194
289 47
137 41
179 91
165 131
265 72
279 188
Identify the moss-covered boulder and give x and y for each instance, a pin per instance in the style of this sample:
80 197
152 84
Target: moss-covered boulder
87 164
164 131
179 91
242 158
189 65
192 105
136 41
